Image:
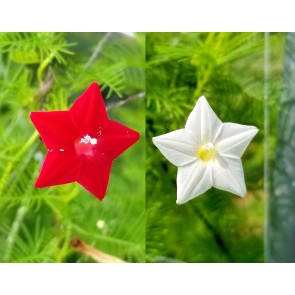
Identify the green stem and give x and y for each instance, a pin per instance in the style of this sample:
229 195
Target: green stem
28 144
12 163
44 65
20 214
215 234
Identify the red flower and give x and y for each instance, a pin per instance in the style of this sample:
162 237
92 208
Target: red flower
82 143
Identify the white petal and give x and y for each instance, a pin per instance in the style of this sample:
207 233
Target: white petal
232 139
193 180
177 147
202 122
228 175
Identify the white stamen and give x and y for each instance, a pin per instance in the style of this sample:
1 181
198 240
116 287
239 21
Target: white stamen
93 141
86 139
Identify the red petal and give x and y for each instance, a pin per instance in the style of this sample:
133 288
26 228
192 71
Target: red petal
56 128
91 165
88 111
95 174
59 168
116 138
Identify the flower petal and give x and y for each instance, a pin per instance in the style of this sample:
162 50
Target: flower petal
95 174
55 128
59 168
233 139
228 175
88 112
202 122
177 147
115 139
193 180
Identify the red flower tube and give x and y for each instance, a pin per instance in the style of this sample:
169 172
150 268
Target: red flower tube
82 143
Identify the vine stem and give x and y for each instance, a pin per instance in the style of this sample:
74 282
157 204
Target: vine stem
23 207
217 237
15 228
43 66
11 164
97 49
125 101
28 144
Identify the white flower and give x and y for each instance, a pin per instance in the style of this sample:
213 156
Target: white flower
207 153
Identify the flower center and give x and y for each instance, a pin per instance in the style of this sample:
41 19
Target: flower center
207 152
84 145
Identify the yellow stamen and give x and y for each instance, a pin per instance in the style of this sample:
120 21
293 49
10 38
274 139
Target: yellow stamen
207 152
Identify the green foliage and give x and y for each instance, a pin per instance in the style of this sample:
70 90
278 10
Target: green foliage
47 71
228 68
30 48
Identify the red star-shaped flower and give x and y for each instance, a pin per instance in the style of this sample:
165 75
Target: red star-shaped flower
82 143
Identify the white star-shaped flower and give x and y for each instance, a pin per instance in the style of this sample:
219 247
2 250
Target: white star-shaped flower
207 153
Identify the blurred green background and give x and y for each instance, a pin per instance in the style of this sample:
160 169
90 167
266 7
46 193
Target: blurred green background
48 71
228 69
